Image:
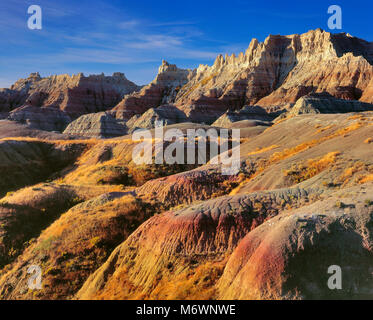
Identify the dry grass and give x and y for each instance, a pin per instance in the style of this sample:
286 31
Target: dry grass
263 164
197 284
367 178
350 172
79 242
244 140
193 283
355 117
287 153
262 150
359 172
310 168
27 212
321 130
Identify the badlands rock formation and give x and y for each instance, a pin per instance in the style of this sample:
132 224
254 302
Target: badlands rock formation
15 129
48 119
102 227
290 245
278 72
162 90
368 93
273 74
76 95
101 224
96 125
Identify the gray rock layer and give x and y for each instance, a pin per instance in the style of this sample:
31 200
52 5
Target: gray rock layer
48 119
96 125
324 103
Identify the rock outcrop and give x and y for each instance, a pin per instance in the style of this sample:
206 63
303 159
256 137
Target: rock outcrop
246 113
96 125
162 90
166 114
273 74
324 103
48 119
76 95
199 237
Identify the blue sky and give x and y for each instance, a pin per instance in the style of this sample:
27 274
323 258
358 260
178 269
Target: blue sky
134 36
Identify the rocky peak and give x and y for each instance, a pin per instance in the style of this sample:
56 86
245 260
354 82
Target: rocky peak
171 75
165 67
119 75
161 91
279 71
34 76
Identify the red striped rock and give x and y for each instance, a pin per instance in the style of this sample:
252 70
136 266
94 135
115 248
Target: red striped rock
75 94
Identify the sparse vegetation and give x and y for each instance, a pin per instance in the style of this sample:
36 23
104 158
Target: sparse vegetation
310 168
367 178
262 150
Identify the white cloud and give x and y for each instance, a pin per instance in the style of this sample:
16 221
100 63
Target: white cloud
110 38
130 24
